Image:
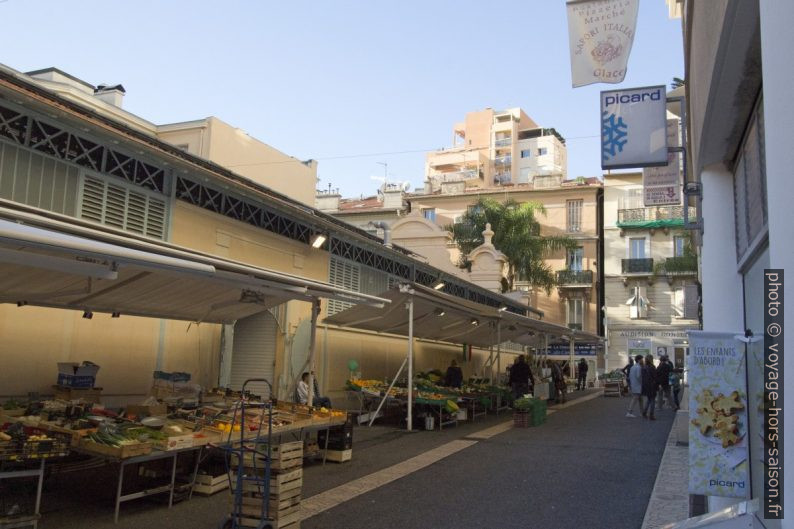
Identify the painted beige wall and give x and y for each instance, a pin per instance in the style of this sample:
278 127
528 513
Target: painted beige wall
232 148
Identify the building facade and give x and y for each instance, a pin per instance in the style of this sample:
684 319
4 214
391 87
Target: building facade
739 78
493 148
650 274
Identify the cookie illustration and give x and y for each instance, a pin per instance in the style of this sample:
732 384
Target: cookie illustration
726 405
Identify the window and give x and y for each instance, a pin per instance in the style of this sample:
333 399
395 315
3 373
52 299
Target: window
637 248
685 302
679 243
574 260
575 315
574 209
632 199
749 185
526 153
523 175
429 214
474 210
542 151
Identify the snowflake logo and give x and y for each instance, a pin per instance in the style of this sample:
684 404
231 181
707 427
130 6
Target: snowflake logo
613 135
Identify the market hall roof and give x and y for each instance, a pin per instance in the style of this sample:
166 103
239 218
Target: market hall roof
445 318
208 185
59 262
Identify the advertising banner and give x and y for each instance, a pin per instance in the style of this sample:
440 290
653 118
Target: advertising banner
639 346
634 127
600 35
661 185
718 426
579 349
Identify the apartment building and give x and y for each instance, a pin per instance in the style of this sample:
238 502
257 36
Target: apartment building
494 148
650 274
210 138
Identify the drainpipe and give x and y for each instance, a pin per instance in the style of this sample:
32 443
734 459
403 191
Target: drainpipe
386 231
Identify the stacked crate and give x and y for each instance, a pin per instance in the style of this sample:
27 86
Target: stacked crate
340 442
286 483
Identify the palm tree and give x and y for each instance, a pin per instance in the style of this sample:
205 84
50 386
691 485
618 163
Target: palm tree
516 234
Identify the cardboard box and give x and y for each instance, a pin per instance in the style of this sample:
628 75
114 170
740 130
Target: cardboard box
74 375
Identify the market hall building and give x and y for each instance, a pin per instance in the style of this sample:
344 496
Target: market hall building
72 158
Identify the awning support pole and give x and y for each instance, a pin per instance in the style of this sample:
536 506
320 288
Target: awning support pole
312 347
490 364
410 360
388 391
498 349
571 344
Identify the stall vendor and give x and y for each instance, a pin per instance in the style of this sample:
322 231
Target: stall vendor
303 393
454 376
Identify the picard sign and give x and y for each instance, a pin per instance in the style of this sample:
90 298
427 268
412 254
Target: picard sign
634 128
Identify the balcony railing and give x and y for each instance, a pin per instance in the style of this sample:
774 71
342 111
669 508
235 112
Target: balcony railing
575 277
575 326
663 215
457 176
680 265
637 266
503 160
504 142
503 178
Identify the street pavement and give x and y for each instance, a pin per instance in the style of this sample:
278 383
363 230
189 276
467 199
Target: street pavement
588 467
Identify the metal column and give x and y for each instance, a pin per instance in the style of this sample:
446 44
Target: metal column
312 347
410 360
498 350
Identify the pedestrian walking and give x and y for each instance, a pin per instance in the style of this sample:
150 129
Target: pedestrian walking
663 380
675 384
581 381
558 379
635 384
454 376
626 370
519 377
649 385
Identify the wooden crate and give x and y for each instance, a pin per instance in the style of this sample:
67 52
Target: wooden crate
284 457
75 435
253 507
207 485
120 452
93 395
279 483
175 442
339 456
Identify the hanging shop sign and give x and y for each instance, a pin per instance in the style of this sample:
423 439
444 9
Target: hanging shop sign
638 346
600 34
579 349
718 426
662 185
634 127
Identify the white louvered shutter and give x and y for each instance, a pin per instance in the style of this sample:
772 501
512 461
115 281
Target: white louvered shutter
117 206
343 274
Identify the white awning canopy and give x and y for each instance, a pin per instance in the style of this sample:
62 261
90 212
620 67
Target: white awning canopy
439 316
49 262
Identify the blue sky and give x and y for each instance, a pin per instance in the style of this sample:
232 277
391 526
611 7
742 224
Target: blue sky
349 83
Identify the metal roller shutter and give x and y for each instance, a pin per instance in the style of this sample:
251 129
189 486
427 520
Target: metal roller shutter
254 352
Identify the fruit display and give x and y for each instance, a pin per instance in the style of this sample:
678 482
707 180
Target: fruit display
19 443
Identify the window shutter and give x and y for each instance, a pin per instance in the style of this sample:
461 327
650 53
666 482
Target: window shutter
345 275
691 302
120 207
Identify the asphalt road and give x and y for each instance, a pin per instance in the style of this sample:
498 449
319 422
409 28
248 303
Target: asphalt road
588 467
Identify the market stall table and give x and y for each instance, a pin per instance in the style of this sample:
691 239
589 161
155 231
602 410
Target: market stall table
143 459
29 520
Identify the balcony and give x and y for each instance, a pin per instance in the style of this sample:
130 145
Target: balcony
503 160
503 142
503 178
575 278
684 265
653 217
637 266
457 176
575 326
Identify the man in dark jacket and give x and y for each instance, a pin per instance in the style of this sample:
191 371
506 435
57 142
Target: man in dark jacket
626 370
663 379
581 381
519 377
454 377
649 386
